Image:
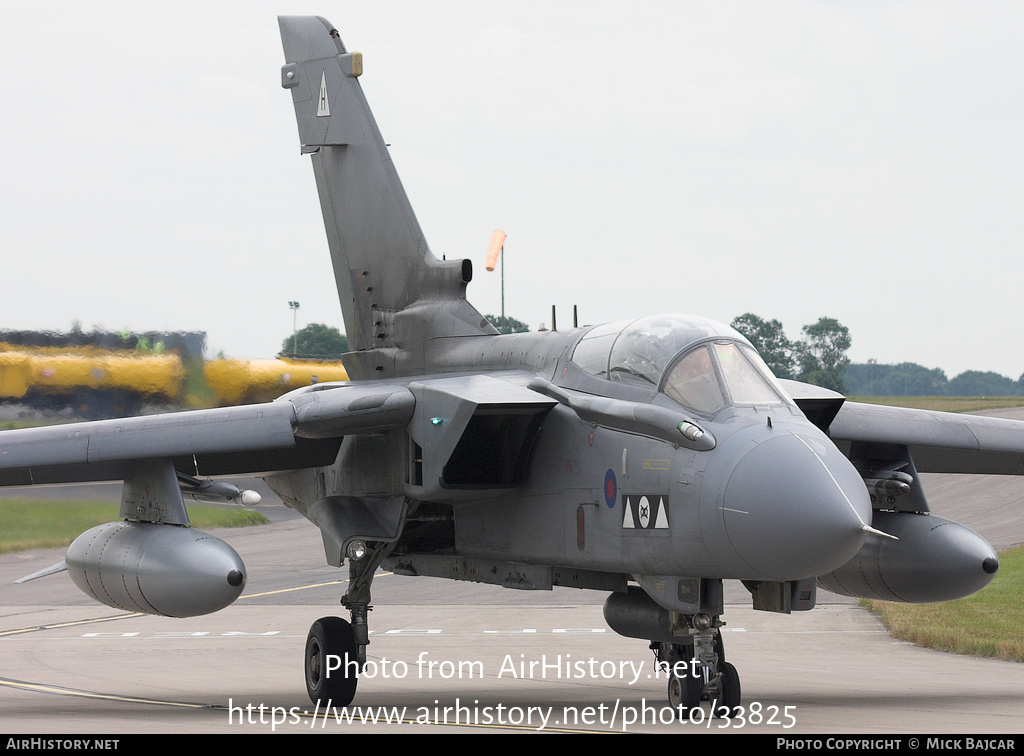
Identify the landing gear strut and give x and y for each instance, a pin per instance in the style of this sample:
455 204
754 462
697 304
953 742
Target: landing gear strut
335 648
698 670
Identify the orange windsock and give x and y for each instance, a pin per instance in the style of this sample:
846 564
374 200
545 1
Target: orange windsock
497 242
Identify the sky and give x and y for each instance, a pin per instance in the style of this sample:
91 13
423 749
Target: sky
861 161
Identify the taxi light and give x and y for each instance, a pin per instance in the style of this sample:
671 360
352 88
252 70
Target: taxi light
356 550
701 621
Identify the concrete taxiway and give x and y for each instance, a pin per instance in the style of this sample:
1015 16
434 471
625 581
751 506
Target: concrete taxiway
477 658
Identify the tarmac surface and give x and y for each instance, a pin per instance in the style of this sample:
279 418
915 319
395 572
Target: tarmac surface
449 656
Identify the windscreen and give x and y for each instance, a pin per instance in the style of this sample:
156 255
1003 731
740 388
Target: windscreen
718 374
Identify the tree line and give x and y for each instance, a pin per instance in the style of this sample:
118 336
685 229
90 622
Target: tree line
317 341
820 358
911 379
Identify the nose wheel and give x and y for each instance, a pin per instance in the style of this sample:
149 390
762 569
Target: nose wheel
698 671
730 684
684 691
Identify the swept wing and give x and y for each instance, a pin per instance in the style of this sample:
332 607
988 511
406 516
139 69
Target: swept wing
303 429
940 442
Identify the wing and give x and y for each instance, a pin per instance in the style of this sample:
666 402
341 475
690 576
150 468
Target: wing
302 429
126 564
935 441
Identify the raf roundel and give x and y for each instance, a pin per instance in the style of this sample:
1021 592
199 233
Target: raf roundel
610 489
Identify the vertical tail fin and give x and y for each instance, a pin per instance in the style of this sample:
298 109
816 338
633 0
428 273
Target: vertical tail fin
382 264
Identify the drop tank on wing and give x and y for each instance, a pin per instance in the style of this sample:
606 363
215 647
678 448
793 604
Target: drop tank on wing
158 569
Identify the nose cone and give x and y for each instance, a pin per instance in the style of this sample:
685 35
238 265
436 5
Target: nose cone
794 507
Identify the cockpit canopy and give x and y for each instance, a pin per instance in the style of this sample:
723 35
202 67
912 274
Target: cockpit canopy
698 363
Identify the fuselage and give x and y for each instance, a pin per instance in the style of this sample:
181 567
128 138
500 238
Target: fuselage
762 494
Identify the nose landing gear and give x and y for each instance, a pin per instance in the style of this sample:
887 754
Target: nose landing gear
698 670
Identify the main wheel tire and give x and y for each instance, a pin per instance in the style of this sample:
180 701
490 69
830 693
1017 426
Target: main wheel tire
730 688
334 686
684 694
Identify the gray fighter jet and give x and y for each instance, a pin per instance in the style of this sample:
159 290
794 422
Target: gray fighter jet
649 459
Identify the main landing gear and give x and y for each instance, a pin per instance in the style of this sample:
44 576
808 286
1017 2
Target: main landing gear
698 670
336 648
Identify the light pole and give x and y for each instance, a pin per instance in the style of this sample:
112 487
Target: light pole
294 307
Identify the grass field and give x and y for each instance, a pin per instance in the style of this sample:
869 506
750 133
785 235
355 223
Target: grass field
944 403
989 623
16 424
35 523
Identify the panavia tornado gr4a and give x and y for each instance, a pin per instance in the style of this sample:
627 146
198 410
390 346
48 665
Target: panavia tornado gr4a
651 459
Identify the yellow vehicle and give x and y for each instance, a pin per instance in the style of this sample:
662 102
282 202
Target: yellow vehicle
93 382
99 383
248 381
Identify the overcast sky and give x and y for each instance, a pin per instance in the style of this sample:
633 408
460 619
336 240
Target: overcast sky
861 161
